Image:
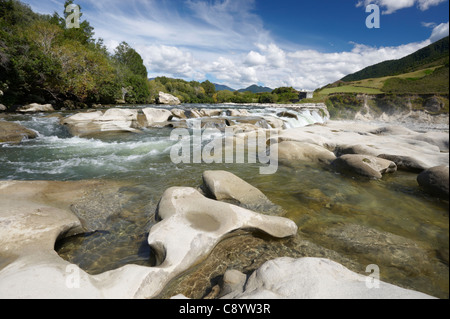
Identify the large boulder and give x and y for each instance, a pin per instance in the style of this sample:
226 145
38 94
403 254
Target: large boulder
2 108
35 107
168 99
155 117
412 150
440 139
368 166
435 181
227 187
405 163
291 153
29 228
34 215
113 120
14 133
274 122
215 217
214 123
317 278
191 225
237 113
210 112
179 113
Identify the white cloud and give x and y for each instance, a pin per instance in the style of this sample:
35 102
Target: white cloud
275 56
271 65
440 32
302 69
429 24
225 39
426 4
392 6
162 59
254 59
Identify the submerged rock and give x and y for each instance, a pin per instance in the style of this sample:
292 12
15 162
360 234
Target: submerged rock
378 246
369 166
14 133
233 282
316 278
435 181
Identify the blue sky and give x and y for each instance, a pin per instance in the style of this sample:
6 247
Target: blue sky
304 44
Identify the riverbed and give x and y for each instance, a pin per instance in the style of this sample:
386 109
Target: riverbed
390 222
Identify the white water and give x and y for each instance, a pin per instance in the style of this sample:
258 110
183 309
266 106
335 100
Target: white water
56 155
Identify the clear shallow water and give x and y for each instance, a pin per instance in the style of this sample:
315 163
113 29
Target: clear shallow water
391 222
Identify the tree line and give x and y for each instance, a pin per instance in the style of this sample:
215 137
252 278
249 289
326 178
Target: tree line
206 93
42 60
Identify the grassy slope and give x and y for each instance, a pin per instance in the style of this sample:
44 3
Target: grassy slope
432 55
426 81
423 72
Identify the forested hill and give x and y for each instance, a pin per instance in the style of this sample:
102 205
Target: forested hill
257 89
433 55
43 61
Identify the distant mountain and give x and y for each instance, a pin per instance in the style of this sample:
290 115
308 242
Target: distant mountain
433 55
257 89
221 87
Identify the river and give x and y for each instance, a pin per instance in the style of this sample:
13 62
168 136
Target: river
318 200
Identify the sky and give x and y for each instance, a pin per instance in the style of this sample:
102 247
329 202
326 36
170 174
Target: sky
298 43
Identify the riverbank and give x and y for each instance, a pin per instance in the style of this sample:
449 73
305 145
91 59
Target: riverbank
350 188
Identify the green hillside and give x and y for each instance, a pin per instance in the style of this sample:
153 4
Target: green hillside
419 81
423 72
433 55
256 89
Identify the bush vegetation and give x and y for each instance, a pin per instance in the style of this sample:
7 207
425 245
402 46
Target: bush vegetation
41 60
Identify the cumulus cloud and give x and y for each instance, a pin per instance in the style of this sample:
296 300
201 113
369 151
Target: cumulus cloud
440 31
302 69
392 6
275 56
310 69
162 60
255 58
272 65
226 40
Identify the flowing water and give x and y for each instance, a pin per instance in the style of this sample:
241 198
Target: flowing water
390 222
